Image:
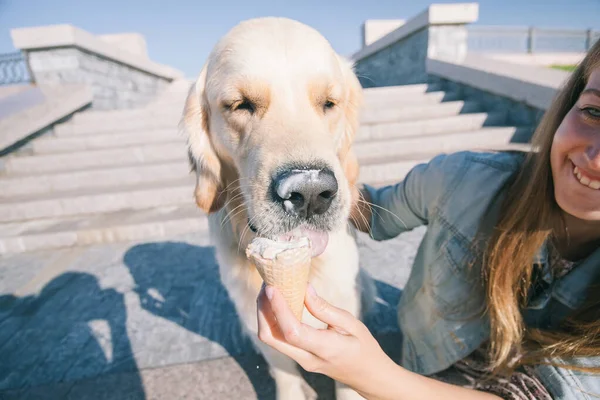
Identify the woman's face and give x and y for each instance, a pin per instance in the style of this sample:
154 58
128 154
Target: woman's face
575 155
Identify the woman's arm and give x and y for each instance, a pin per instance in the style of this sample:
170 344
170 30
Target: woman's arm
388 211
411 386
346 351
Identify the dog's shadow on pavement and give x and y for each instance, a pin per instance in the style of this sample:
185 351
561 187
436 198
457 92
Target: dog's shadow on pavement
180 282
72 330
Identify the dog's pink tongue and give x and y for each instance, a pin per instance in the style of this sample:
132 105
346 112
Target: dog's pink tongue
318 240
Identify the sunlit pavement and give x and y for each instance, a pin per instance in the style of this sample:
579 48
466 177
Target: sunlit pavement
150 321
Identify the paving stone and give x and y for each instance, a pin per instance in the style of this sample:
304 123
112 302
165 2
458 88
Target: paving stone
140 320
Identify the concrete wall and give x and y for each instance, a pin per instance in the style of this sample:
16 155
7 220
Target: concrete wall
522 93
115 67
401 63
375 29
515 113
114 85
399 58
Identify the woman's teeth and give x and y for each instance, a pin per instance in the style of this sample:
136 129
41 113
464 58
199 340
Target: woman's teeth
584 180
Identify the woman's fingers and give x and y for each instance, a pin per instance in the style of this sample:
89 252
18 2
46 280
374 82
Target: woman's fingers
318 342
337 351
271 332
266 320
340 320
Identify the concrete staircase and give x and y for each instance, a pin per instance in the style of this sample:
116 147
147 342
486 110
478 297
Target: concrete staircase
109 176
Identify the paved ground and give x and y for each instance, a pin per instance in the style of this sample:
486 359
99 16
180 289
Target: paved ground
149 321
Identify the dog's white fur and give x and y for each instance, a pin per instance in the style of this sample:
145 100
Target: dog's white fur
287 71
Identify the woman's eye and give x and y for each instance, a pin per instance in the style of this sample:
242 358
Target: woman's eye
592 112
595 112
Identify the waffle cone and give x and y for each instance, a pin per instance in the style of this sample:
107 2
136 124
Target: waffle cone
288 271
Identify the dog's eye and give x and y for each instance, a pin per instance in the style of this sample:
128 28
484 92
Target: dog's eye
246 105
328 105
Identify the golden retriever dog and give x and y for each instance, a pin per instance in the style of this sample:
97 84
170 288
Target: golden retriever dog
270 123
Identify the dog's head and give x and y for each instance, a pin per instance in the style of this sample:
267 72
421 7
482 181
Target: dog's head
270 123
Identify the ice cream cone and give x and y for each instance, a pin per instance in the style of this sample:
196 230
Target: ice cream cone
284 265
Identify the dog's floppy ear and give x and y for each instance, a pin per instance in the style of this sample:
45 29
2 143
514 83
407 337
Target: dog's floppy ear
351 108
202 156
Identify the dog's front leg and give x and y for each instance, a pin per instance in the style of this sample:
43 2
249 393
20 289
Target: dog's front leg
285 372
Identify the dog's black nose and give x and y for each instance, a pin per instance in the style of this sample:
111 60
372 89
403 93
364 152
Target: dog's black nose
305 192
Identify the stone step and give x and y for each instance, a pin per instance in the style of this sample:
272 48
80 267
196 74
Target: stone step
147 224
98 200
392 170
129 155
398 93
93 178
120 226
381 163
411 113
172 109
177 168
146 121
94 199
156 118
424 127
432 97
70 143
62 144
170 151
486 138
160 152
128 224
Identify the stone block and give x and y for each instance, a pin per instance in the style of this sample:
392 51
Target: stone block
402 63
116 67
373 30
447 42
131 42
399 57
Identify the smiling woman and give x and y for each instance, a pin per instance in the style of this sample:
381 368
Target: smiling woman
503 295
548 207
575 155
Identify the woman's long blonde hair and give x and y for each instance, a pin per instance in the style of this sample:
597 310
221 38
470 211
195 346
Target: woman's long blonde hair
528 216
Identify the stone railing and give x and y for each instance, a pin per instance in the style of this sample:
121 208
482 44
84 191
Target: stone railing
116 67
36 110
399 57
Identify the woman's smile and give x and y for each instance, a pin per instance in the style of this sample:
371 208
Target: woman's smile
586 178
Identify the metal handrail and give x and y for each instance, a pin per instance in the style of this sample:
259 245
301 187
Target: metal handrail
13 69
530 39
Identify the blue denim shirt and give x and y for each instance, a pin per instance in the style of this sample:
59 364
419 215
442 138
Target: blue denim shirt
441 308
